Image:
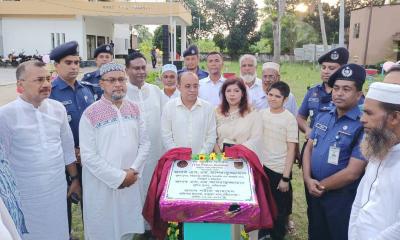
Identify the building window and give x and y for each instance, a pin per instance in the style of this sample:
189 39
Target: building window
356 32
58 39
53 42
62 38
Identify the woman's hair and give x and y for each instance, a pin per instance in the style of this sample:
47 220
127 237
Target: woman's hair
243 105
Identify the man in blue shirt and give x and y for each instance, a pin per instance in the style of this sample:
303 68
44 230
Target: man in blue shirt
319 98
74 96
102 55
191 59
333 163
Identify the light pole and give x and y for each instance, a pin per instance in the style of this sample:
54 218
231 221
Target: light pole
341 24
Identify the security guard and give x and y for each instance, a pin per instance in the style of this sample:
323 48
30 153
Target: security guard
191 59
319 98
74 96
103 54
333 163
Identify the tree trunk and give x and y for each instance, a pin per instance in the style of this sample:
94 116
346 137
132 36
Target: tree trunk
322 23
277 31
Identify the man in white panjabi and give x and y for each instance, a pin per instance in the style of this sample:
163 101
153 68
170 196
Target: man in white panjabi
248 72
376 209
189 121
40 147
210 86
150 100
114 147
169 78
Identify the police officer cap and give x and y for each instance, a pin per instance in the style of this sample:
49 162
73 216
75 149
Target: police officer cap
349 72
105 48
66 49
338 55
191 51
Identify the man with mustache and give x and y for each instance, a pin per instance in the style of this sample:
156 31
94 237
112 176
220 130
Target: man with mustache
150 101
191 59
333 163
319 98
169 78
248 72
211 85
73 95
39 146
376 208
114 147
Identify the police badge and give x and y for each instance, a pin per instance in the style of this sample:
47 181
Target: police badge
335 55
347 72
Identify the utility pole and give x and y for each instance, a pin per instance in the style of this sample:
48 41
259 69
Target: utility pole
341 24
322 23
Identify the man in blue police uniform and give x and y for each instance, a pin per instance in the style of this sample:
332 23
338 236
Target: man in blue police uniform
333 163
102 55
191 60
74 96
319 98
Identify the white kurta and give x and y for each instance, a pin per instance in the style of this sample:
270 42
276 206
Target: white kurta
111 140
376 208
194 128
41 145
209 91
150 100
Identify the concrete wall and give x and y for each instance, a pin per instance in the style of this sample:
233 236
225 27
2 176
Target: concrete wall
121 39
98 27
31 34
384 24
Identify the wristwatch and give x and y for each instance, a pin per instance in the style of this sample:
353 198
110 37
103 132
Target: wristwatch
72 178
285 179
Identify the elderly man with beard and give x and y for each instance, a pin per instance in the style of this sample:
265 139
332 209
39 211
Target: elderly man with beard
114 148
376 208
271 75
333 163
169 78
248 72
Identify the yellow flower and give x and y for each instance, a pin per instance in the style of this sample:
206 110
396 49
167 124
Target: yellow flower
177 232
213 156
223 156
169 231
202 157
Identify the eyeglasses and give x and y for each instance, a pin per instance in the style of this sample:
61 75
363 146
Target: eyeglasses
114 80
269 77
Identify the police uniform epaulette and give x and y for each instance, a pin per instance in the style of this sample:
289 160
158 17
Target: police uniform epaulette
87 75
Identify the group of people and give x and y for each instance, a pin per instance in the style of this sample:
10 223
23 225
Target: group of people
97 141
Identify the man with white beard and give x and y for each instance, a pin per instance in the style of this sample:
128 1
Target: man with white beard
248 72
376 209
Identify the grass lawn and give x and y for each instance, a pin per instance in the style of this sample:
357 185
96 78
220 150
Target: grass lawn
298 76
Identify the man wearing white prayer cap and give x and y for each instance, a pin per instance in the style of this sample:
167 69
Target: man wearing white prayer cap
376 209
169 78
270 75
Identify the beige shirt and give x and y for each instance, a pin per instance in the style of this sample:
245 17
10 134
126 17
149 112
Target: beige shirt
278 130
236 129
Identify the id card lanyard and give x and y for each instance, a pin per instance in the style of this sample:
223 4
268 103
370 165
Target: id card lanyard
334 152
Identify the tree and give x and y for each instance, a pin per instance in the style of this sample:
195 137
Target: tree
143 33
238 18
219 40
200 14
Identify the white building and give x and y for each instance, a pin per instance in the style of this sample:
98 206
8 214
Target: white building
36 26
